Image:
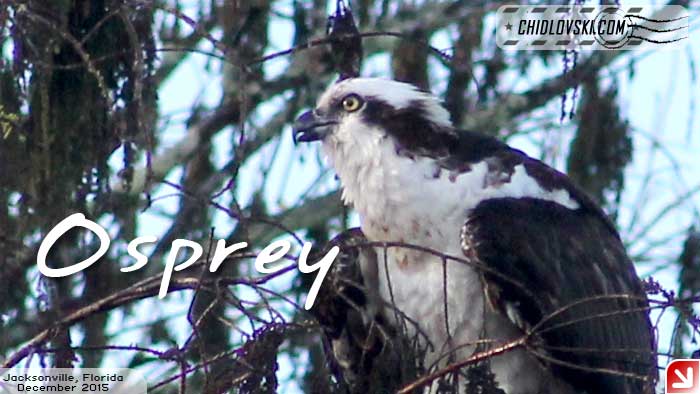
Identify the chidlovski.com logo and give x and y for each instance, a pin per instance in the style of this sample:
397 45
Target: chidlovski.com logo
580 27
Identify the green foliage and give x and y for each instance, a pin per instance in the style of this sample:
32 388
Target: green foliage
602 147
7 122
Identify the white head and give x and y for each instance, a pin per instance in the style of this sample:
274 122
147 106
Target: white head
368 126
365 109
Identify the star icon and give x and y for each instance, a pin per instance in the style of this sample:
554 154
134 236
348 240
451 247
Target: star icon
509 27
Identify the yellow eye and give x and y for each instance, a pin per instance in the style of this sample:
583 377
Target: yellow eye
352 103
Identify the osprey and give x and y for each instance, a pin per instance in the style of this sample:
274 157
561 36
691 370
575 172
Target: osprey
503 246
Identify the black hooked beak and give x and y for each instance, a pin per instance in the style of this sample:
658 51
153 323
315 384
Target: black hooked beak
311 127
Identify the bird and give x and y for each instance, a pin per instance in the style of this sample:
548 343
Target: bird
479 245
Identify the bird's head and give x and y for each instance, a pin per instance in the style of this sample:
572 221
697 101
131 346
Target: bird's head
357 112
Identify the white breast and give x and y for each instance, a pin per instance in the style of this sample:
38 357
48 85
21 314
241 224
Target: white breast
414 201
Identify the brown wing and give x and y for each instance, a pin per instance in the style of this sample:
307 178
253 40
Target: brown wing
364 352
567 276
